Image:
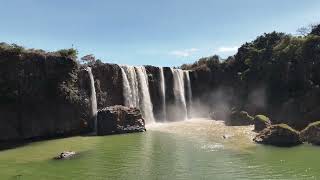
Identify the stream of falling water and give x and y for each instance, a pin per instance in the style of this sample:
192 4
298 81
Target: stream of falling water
163 92
93 100
136 90
179 94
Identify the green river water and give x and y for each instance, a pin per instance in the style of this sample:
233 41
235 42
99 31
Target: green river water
184 150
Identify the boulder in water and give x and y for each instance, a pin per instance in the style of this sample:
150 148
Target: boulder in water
311 133
65 155
279 135
239 118
261 122
120 119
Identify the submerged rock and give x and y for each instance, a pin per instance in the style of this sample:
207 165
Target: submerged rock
311 133
278 135
239 118
120 119
65 155
261 122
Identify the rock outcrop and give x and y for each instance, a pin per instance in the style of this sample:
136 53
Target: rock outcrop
108 84
40 96
155 92
239 118
65 155
120 119
311 133
279 135
261 122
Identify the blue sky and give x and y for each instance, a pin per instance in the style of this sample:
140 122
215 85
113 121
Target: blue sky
154 32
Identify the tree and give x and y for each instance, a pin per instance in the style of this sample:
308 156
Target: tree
303 31
315 30
88 59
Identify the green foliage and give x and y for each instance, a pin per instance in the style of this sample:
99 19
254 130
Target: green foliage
11 48
315 30
205 63
70 53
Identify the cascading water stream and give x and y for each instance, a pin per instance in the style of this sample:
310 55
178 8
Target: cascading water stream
144 94
179 93
126 89
189 92
93 100
163 93
136 90
130 84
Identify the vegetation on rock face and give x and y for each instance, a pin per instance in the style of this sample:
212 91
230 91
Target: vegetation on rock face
286 67
14 49
279 135
70 53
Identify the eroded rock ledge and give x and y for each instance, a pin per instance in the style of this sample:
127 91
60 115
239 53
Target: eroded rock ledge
120 119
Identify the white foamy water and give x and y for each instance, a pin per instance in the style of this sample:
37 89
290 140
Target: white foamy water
163 92
189 91
211 135
93 100
179 93
136 91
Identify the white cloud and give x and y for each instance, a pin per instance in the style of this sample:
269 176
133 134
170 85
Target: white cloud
184 53
227 49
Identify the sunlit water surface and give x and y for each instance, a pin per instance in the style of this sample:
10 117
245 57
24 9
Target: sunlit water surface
193 149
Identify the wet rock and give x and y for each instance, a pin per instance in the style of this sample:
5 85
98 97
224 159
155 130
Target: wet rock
239 118
120 119
155 92
108 84
311 133
218 115
279 135
65 155
261 122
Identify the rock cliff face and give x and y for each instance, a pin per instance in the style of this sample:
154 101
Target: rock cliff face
155 91
40 96
120 119
108 83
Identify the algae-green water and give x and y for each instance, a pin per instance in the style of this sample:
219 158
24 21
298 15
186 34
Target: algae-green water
198 149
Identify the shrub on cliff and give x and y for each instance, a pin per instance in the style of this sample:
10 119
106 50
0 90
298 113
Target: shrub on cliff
11 48
70 53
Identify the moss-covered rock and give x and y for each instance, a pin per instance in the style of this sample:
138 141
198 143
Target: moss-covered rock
279 135
239 118
311 133
261 122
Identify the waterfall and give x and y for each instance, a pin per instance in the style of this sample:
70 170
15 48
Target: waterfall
136 90
163 93
126 89
130 85
93 100
144 94
189 91
179 93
